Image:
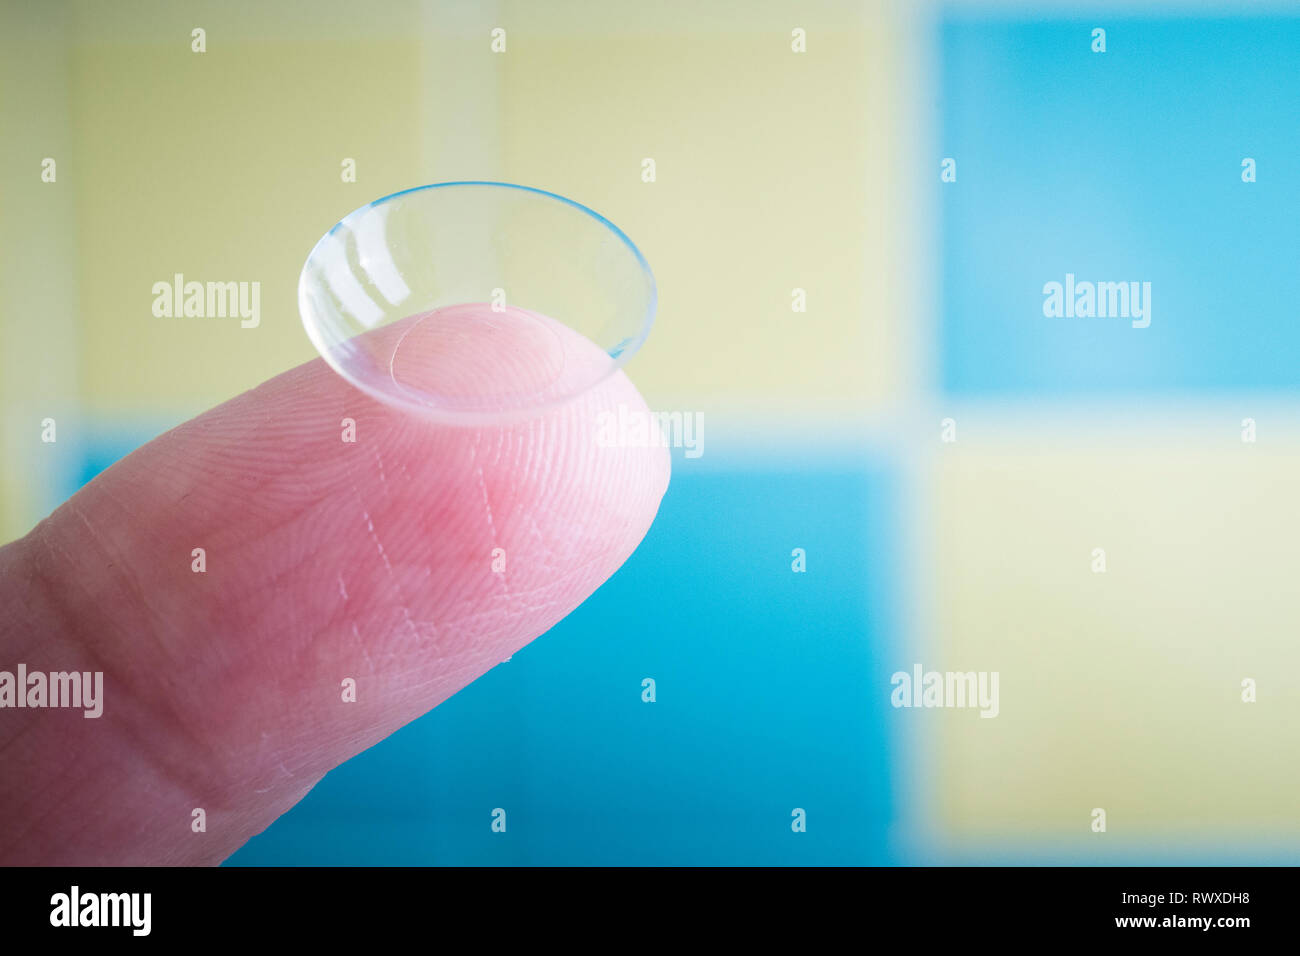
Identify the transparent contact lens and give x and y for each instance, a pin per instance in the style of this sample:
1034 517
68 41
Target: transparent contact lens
476 302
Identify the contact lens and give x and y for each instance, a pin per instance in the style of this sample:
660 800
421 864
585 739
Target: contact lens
476 302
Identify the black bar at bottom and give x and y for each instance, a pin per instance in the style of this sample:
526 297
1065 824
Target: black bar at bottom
332 906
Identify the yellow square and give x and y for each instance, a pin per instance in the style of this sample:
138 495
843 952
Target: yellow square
1120 689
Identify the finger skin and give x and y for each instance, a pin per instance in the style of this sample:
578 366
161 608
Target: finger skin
325 560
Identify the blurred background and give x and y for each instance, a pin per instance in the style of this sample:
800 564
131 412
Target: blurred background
855 209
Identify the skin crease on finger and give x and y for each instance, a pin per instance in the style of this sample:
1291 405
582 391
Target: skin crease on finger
325 560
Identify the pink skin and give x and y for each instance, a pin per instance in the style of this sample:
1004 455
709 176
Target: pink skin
325 560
